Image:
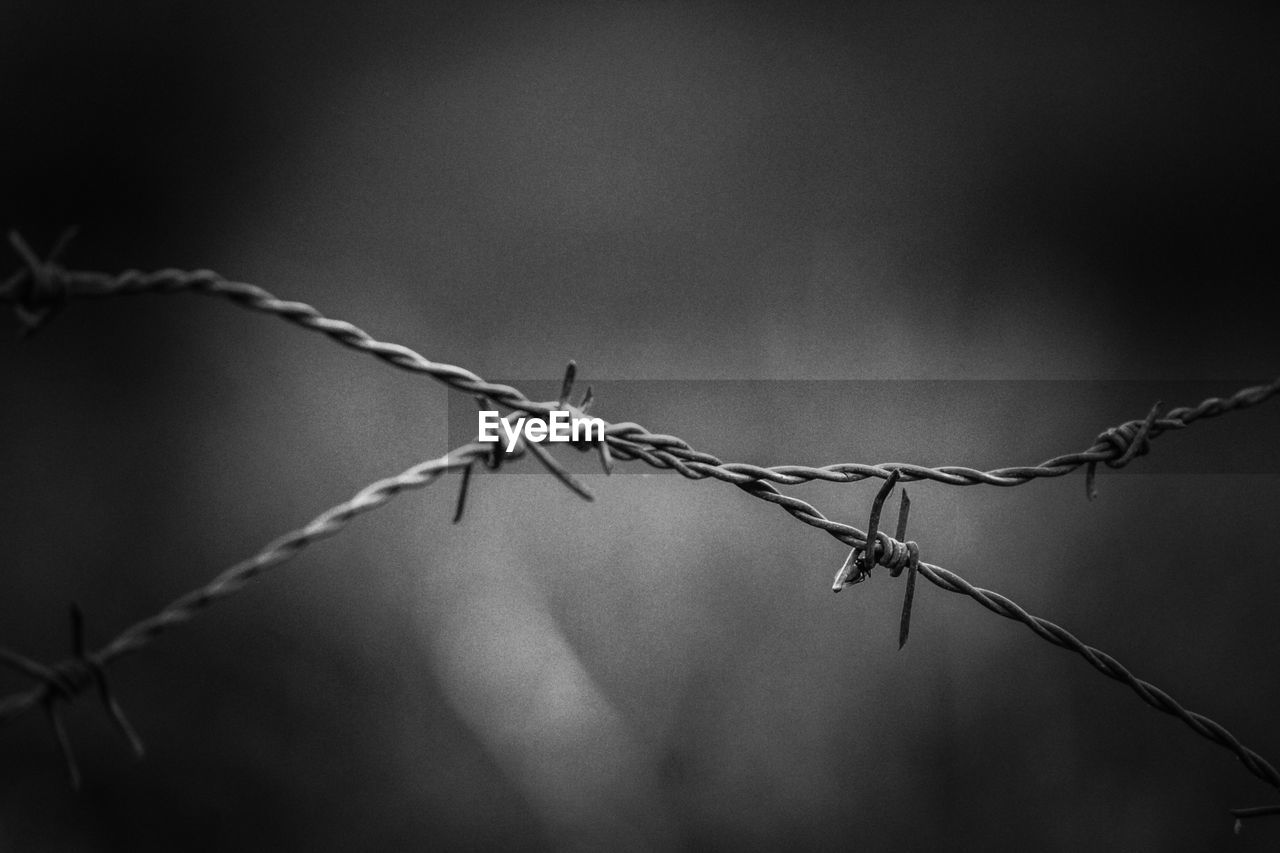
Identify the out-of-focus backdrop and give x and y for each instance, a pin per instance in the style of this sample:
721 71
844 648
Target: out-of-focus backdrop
668 191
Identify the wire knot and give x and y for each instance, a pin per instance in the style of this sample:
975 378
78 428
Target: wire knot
39 290
493 455
895 555
66 680
1128 441
580 411
893 552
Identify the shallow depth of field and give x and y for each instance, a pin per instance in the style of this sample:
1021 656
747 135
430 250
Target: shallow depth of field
671 191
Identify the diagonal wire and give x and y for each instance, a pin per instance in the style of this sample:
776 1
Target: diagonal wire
232 580
1107 665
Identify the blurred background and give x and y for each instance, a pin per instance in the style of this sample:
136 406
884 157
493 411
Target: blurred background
662 191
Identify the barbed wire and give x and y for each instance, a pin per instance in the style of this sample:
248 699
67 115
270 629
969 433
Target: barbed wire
69 677
40 289
66 679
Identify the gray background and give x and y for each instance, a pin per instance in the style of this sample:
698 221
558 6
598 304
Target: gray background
661 191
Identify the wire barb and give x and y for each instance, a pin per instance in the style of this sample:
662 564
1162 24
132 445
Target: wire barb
540 453
913 567
1241 815
62 683
873 524
606 457
64 742
1131 440
864 556
566 384
56 686
898 554
462 494
629 441
492 461
113 709
842 578
38 290
558 471
589 397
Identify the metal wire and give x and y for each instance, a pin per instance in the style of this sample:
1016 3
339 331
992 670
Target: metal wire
73 675
1107 665
1116 446
68 678
41 288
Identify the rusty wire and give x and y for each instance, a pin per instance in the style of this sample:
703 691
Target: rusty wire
42 287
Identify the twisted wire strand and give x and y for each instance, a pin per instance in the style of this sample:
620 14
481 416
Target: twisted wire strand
1107 665
73 675
69 677
1115 446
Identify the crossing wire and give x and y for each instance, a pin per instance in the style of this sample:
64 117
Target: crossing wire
41 288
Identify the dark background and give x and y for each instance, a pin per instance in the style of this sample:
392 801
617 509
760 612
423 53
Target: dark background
661 191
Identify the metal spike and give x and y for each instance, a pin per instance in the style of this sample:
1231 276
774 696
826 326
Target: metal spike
913 564
904 511
28 667
566 386
80 650
873 526
9 290
60 245
64 742
24 251
117 713
493 460
558 470
842 576
904 627
1140 440
462 493
606 456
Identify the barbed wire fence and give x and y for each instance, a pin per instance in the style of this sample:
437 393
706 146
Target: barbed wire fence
39 289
